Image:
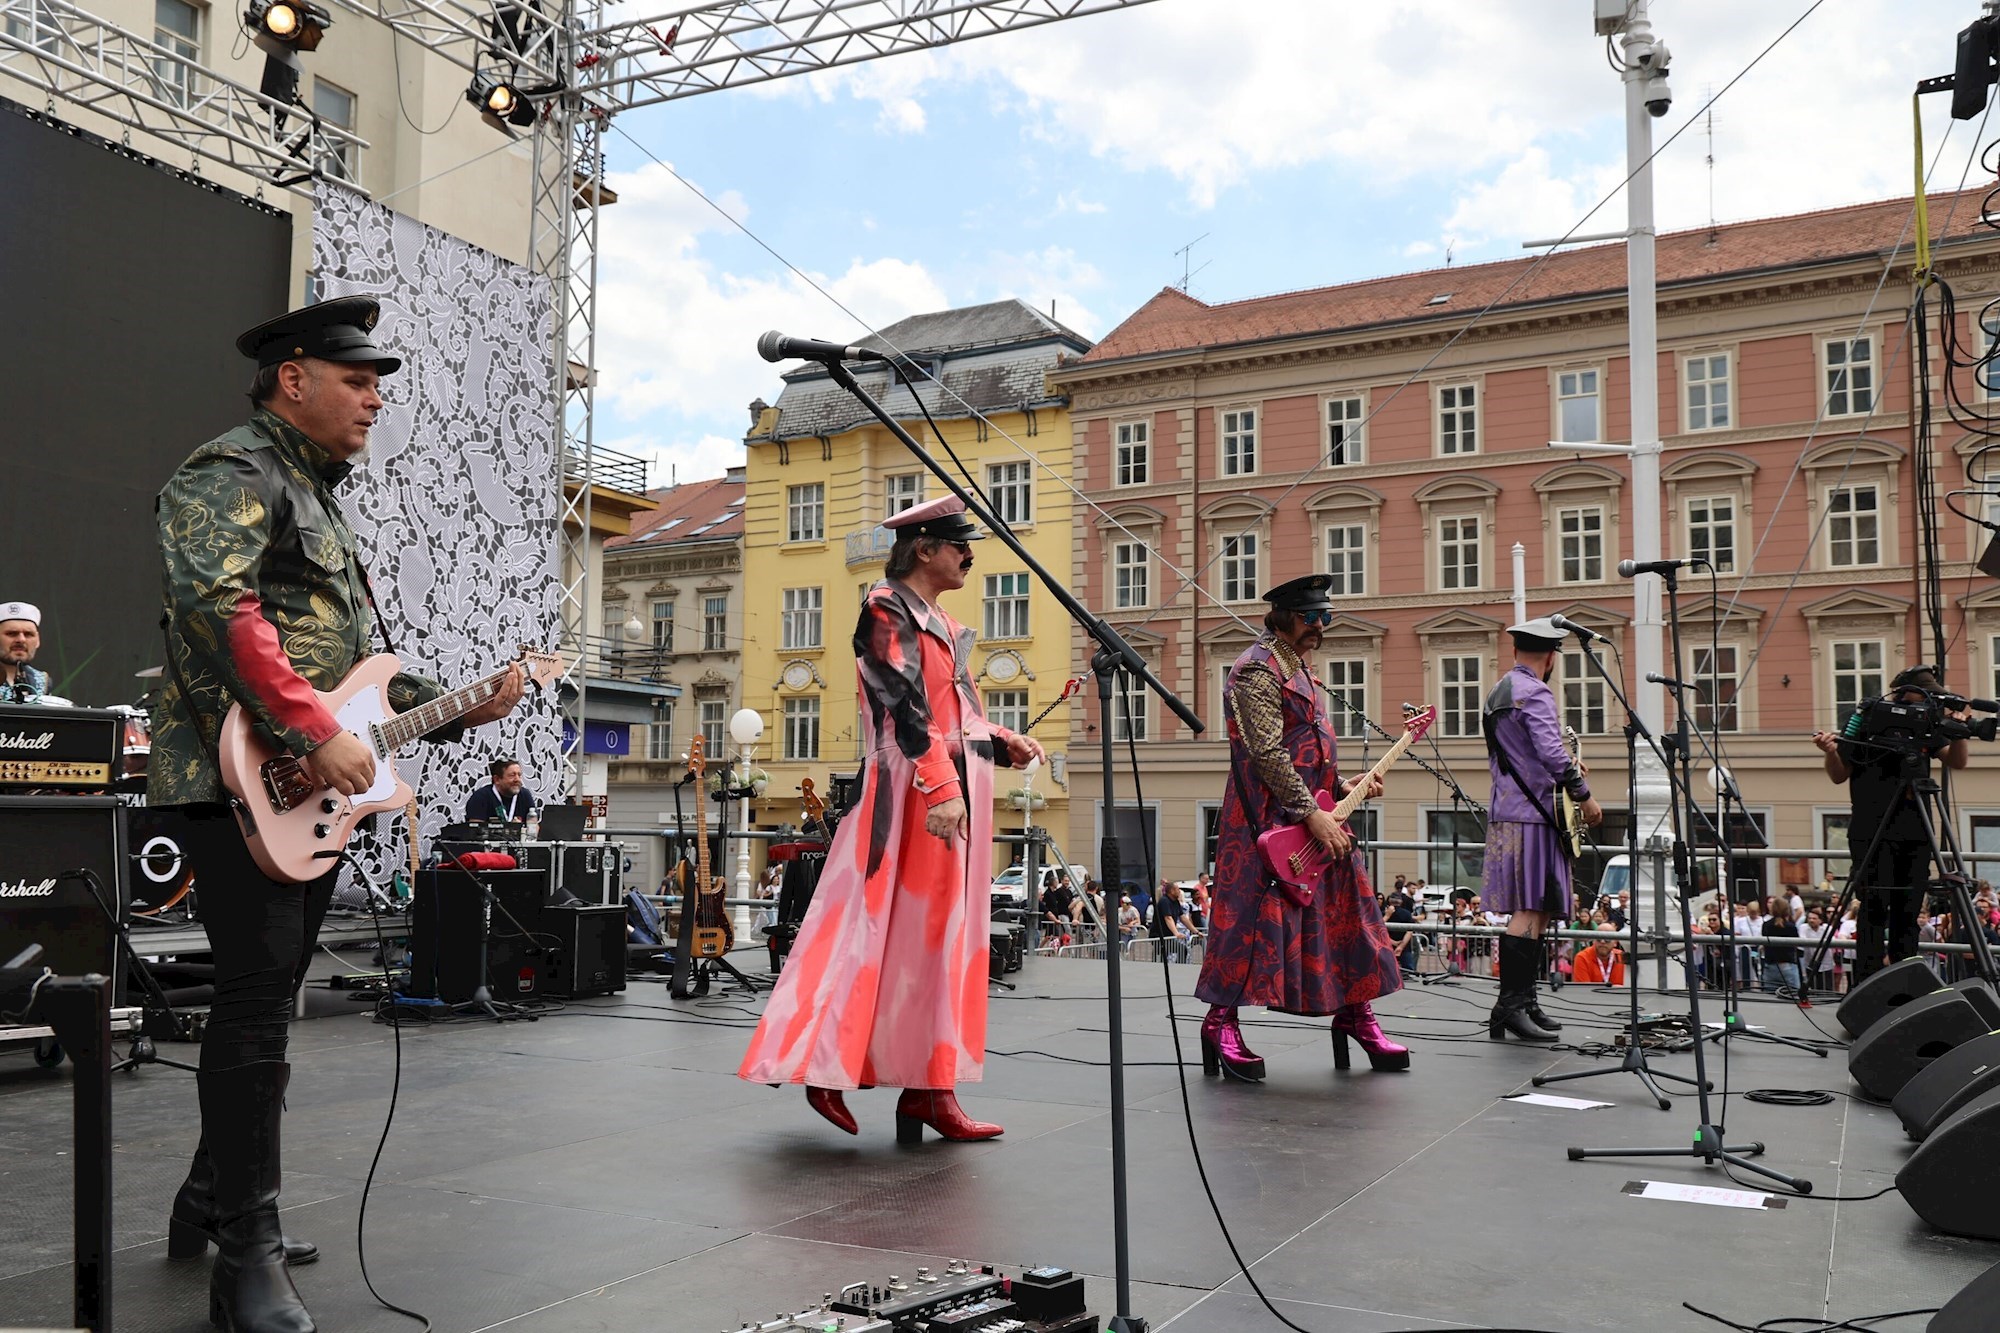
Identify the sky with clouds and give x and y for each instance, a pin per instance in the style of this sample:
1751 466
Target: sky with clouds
1295 143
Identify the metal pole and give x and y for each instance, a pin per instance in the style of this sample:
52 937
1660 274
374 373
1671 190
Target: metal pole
1520 583
1643 336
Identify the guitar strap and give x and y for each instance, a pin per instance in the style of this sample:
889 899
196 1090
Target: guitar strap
1486 726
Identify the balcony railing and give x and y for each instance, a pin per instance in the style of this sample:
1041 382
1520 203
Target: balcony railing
615 657
872 544
621 472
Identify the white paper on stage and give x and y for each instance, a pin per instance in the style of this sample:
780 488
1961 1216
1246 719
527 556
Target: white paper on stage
1715 1198
457 498
1560 1103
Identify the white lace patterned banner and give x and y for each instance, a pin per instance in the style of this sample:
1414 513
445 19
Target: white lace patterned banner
457 499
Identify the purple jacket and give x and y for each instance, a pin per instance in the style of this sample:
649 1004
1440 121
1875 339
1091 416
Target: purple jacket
1520 718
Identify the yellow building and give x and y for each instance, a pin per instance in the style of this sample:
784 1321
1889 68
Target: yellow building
821 477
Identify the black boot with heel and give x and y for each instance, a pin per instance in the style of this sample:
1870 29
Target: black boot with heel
249 1289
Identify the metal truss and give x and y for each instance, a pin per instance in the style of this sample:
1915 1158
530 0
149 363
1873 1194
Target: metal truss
79 58
730 43
526 37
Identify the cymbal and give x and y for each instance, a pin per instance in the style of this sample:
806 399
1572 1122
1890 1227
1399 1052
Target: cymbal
151 673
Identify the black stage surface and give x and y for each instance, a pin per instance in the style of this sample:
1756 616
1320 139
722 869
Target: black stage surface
602 1169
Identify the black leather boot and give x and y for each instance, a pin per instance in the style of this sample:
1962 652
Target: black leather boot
249 1289
191 1226
1520 959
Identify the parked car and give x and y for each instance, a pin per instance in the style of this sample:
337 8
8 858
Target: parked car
1010 889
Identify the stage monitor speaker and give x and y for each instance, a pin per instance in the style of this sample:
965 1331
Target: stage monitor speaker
41 839
1971 1311
1885 991
1948 1083
591 959
1951 1178
448 924
1898 1047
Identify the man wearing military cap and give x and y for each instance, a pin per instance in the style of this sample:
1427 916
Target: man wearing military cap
1527 875
1332 954
20 638
266 602
886 983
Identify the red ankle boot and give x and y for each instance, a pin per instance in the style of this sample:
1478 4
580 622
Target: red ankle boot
1358 1021
828 1102
938 1108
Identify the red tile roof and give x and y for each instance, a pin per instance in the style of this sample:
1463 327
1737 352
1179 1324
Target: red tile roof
692 511
1174 321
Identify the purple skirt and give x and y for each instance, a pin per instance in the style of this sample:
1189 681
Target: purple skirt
1525 870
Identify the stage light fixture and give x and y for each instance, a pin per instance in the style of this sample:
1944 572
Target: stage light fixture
283 26
500 101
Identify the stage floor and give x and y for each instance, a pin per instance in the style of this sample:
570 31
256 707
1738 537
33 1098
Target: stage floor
602 1169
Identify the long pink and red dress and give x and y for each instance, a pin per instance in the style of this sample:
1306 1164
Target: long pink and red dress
886 984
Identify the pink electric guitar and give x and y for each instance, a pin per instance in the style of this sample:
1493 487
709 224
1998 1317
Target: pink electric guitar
1294 856
296 828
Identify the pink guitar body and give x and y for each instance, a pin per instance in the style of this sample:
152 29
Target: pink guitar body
1294 857
295 828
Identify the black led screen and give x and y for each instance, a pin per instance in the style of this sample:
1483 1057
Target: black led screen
122 288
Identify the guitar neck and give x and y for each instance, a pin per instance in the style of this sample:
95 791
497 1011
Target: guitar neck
1358 793
403 728
701 834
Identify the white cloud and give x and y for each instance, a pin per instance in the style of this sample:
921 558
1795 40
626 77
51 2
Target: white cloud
704 458
1072 201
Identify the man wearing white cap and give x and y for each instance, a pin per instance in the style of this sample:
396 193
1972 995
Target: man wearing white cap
1527 875
20 636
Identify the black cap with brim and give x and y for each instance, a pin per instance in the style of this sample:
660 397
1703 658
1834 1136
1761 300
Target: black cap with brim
949 527
1309 592
338 330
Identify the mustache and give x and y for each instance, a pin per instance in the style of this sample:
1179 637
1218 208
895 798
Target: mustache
965 564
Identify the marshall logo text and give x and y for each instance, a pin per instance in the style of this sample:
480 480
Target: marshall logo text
21 888
21 740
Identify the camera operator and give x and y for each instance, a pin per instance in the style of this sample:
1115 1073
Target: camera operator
1889 891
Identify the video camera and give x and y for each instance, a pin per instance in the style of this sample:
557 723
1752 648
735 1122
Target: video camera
1921 726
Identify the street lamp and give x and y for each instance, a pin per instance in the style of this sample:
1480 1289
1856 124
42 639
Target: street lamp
746 728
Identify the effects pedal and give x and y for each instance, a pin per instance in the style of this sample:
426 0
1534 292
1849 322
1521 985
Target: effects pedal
969 1299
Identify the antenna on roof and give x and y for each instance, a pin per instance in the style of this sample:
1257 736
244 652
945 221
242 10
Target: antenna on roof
1708 118
1186 254
1450 244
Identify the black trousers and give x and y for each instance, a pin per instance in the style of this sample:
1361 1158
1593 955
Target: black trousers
261 934
1889 894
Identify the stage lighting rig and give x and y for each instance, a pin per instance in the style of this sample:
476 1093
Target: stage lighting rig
281 29
501 102
1974 72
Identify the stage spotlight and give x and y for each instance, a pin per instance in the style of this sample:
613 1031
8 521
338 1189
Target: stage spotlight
500 101
282 26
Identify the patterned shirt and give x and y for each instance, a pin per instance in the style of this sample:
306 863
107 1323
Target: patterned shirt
28 687
1259 703
265 599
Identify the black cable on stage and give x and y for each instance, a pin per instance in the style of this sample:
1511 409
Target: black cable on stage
1810 1323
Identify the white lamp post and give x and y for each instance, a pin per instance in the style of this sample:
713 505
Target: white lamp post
745 728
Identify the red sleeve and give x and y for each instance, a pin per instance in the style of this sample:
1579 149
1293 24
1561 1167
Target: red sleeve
263 667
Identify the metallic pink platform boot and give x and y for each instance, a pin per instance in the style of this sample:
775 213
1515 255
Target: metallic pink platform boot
1358 1021
1223 1050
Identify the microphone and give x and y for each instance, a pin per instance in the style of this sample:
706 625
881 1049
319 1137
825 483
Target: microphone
1584 633
775 346
1628 568
1656 678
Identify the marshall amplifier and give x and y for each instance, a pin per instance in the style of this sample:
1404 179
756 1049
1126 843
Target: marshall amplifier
74 748
42 838
592 958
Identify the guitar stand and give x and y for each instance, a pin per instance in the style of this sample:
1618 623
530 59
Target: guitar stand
482 1000
142 1050
736 974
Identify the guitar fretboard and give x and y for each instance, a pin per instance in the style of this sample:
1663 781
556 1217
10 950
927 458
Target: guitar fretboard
1344 809
403 728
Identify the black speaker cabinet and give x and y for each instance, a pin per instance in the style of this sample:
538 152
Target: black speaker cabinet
591 959
1971 1311
586 871
1887 990
1951 1178
448 927
41 839
1898 1046
1948 1083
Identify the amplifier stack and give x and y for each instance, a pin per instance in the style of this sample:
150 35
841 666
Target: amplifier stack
529 944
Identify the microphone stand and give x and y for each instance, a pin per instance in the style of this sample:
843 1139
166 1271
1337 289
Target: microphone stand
1708 1143
1114 658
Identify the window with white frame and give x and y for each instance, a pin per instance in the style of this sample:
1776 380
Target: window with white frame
1132 461
1985 373
1853 526
1131 575
1458 552
1460 695
1347 688
1239 567
1345 426
336 106
1008 710
1011 488
1579 407
1993 671
905 491
1129 716
805 512
1458 419
660 733
663 624
177 27
1857 674
1705 392
40 28
1239 442
1711 531
1460 831
715 624
1006 606
714 720
1582 695
1718 674
1347 558
801 622
802 728
1848 367
1580 544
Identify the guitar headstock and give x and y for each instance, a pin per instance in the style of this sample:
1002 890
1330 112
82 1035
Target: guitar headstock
815 807
1417 721
697 760
541 668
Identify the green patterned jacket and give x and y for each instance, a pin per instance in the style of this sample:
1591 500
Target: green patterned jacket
265 599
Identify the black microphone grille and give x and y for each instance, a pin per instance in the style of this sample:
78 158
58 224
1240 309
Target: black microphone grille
771 345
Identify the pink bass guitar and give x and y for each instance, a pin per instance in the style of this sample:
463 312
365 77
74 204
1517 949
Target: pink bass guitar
296 828
1293 856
